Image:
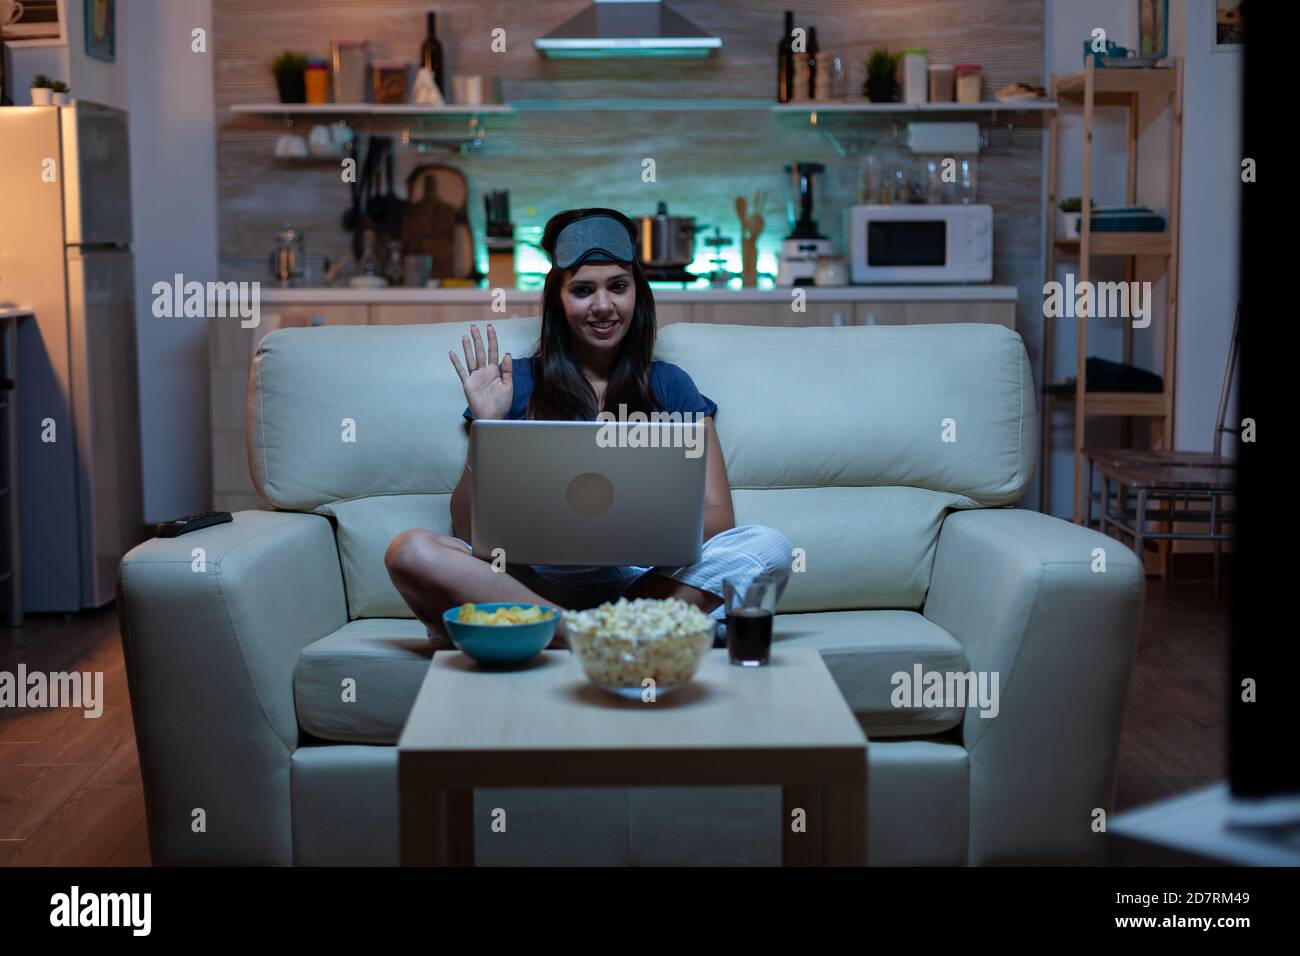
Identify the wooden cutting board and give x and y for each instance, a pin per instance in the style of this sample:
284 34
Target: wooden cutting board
436 221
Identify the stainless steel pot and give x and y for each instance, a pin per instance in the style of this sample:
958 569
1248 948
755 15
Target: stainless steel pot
666 241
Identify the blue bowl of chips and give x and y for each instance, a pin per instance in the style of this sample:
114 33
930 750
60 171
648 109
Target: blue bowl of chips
518 632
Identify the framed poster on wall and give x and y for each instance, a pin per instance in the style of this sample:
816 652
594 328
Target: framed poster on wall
37 23
1229 31
101 29
1153 28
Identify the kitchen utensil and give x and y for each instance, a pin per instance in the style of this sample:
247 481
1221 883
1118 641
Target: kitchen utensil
391 219
666 241
436 222
288 257
720 276
377 208
751 226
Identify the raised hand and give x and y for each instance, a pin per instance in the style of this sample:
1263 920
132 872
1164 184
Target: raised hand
489 386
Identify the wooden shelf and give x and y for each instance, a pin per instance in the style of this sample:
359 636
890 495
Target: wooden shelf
366 109
1124 80
851 106
1119 404
1084 91
1122 244
866 106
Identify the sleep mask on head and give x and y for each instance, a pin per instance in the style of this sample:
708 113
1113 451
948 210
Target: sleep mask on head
593 239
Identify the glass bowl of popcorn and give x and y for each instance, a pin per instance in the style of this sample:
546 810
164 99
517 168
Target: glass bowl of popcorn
624 645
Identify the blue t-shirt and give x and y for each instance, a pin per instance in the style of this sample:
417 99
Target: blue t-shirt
673 388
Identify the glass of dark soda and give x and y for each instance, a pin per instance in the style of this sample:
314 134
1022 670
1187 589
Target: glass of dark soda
751 606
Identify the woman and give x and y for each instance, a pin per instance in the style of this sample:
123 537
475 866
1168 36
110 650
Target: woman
595 353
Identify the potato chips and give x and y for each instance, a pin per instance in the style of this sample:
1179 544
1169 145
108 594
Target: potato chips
518 614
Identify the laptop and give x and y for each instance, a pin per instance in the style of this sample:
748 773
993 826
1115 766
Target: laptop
588 493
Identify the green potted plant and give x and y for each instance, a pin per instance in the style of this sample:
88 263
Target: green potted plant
288 68
882 76
41 91
59 93
1068 220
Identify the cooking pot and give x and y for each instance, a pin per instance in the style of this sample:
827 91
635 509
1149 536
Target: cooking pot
666 241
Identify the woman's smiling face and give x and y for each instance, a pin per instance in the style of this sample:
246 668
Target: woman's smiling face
599 299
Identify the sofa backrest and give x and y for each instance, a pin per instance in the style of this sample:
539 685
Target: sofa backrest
853 441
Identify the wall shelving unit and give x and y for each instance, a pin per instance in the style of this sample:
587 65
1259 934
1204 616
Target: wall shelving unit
1111 86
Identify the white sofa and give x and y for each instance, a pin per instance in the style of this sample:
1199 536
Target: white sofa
842 438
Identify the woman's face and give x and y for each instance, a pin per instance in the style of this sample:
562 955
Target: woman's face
599 299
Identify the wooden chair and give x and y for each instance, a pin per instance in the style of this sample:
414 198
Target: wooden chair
1171 475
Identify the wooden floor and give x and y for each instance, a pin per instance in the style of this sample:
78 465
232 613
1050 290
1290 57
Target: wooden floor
70 791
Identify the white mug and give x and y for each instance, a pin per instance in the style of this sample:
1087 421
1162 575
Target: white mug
319 140
10 10
467 90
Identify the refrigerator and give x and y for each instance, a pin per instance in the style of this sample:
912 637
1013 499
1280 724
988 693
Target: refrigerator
65 252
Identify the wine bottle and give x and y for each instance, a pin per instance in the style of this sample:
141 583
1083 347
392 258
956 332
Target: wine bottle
431 53
785 62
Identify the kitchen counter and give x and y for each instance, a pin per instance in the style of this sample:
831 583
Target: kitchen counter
274 295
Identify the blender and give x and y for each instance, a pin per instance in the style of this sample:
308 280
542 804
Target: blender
800 249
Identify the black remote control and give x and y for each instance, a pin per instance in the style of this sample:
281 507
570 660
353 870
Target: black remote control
177 526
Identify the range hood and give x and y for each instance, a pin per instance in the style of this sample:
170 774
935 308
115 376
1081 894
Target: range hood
609 28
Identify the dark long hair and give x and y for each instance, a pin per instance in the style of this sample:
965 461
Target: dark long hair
560 391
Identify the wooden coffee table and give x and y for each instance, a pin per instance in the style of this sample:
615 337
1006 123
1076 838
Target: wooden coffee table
545 725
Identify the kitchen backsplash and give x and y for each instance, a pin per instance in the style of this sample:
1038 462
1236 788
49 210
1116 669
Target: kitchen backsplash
556 160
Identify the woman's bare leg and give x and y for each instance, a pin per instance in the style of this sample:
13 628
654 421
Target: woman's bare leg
433 572
659 586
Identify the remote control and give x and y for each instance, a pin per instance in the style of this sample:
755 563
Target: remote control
170 529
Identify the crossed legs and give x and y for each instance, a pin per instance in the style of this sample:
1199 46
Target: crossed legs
433 572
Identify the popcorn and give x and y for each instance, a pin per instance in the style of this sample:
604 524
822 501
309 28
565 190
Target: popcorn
621 643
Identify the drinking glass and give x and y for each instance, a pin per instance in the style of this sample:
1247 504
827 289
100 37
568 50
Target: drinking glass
751 607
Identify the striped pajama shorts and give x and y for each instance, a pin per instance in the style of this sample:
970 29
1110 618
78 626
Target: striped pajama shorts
741 554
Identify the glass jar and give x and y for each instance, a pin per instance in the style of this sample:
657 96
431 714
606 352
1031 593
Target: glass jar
349 62
968 83
966 180
872 179
368 263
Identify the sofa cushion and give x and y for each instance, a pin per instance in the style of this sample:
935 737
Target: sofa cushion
364 527
344 412
386 660
864 649
853 547
857 547
945 407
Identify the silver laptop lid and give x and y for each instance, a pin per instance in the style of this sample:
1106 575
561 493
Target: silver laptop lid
588 493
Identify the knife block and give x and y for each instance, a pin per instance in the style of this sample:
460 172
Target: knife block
501 262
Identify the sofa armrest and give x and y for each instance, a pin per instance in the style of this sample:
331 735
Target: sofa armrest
210 652
1019 591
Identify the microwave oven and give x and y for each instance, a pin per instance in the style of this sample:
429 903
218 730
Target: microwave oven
920 243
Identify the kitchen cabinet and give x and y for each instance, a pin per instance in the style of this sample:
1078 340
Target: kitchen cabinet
772 313
934 313
304 316
666 313
439 313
